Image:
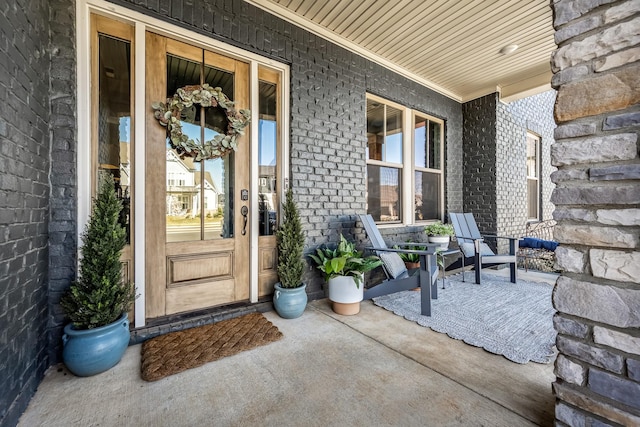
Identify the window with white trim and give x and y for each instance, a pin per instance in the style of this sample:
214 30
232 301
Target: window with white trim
384 162
404 164
427 167
533 174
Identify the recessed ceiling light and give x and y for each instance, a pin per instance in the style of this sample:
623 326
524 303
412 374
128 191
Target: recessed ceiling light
509 49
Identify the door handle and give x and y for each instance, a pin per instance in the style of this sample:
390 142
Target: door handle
244 211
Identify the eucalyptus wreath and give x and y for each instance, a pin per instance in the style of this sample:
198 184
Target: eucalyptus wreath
170 113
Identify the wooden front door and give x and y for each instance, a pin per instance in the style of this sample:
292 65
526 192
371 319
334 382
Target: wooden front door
197 226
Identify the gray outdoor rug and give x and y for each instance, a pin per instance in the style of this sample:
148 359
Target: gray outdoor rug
511 319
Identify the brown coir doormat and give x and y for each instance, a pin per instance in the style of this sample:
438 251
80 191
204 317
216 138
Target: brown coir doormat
178 351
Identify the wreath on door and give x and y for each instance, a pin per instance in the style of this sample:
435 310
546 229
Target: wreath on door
170 113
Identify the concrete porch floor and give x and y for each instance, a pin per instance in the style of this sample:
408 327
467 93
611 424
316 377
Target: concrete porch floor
374 368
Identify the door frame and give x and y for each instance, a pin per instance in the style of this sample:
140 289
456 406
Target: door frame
141 24
193 274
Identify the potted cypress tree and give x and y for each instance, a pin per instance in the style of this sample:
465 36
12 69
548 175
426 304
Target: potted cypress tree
98 300
290 295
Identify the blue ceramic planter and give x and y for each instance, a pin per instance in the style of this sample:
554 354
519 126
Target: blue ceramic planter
290 302
89 352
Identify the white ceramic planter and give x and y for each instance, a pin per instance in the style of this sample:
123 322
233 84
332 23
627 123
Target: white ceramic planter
443 241
345 295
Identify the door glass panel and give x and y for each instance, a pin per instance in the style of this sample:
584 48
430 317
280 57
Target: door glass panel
267 167
199 194
218 174
182 198
114 119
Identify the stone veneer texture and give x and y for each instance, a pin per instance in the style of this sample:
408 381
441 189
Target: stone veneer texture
597 74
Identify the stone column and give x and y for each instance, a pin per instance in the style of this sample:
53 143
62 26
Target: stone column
597 74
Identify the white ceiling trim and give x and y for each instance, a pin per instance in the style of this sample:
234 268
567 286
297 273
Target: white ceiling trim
529 86
314 28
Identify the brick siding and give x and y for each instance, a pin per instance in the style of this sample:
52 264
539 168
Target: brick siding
495 186
479 161
24 202
63 240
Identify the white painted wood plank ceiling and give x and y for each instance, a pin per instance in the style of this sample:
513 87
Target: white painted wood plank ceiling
452 46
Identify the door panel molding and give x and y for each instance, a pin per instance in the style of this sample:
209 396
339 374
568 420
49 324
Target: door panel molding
199 296
183 270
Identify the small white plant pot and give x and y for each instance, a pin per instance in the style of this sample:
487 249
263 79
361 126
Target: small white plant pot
345 295
443 241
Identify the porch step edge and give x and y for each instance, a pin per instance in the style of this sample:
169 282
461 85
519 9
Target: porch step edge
181 322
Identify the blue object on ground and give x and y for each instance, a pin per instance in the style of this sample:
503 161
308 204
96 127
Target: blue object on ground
532 242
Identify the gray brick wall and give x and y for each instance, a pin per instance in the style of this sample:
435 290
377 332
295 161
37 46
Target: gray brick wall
535 114
62 222
24 202
511 176
480 161
495 160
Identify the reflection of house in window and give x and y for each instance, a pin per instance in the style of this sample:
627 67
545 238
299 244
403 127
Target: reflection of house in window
267 199
183 188
389 197
211 194
267 185
184 202
125 166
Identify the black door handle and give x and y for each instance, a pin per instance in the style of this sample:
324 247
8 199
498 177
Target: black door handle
244 211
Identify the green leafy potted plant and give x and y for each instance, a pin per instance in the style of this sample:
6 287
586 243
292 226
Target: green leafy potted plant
98 300
290 295
439 233
344 269
411 261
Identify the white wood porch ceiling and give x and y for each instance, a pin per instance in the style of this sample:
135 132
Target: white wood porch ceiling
452 46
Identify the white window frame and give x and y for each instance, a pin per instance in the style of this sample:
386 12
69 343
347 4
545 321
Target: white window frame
537 139
408 164
143 23
427 169
400 166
